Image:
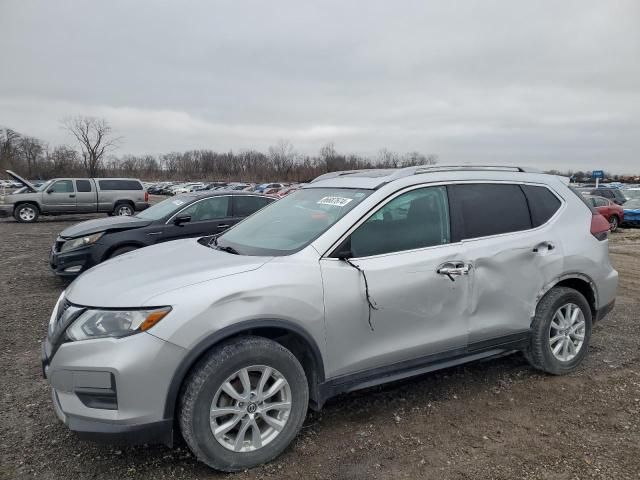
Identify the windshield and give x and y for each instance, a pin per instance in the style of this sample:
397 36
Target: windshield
164 208
44 186
292 223
632 204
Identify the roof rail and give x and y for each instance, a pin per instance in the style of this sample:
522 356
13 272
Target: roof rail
390 174
408 171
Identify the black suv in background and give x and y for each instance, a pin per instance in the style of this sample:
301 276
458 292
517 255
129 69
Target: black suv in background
86 244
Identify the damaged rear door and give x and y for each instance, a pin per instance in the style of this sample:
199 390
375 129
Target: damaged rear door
514 252
396 289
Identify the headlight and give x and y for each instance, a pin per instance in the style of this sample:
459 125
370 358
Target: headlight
80 242
114 323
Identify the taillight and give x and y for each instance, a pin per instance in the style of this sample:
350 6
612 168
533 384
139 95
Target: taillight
599 227
146 196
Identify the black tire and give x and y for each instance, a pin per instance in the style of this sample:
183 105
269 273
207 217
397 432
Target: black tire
122 250
207 376
121 208
614 223
26 213
539 353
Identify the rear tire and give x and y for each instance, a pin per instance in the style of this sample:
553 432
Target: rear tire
614 223
251 440
123 210
560 332
26 213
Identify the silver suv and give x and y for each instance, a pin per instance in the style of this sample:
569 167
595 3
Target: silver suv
360 278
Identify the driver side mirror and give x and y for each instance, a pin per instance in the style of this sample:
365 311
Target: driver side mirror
50 191
179 221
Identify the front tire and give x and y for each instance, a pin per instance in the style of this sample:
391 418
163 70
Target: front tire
26 213
243 403
560 332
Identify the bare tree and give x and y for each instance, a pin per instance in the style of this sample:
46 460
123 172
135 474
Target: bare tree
95 137
283 157
31 148
8 148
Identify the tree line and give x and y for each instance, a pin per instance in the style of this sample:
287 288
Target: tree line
35 159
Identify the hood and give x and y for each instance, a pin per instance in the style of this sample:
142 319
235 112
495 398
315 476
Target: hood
131 279
18 178
102 225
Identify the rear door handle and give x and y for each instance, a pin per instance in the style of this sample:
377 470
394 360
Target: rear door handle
544 247
223 226
454 269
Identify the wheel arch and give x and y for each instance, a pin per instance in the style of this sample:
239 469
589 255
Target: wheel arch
35 203
126 243
284 332
577 281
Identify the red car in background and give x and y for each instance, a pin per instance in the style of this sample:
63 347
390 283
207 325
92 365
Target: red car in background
613 212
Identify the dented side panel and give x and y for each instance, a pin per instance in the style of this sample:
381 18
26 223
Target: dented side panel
508 273
417 311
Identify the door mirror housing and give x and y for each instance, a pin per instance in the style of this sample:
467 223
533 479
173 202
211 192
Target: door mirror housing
50 191
182 219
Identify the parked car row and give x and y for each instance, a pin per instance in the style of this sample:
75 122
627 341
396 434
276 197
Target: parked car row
176 188
356 279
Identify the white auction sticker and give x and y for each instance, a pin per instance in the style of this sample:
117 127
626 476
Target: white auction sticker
178 202
335 201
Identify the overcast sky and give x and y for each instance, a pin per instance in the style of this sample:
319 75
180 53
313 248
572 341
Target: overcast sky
552 84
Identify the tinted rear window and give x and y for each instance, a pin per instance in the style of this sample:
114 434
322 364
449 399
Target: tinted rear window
482 210
243 206
83 185
119 185
542 203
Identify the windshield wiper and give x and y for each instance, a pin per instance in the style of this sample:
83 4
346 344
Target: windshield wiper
228 250
213 243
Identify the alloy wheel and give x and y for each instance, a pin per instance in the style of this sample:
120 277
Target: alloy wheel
124 211
250 408
27 214
566 332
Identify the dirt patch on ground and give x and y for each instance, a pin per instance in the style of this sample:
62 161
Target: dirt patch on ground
496 419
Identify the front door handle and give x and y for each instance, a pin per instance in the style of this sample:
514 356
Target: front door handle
72 196
454 269
223 226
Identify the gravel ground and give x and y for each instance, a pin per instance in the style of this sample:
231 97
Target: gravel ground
496 419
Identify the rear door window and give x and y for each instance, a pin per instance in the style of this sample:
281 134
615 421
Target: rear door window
119 185
245 205
485 209
83 185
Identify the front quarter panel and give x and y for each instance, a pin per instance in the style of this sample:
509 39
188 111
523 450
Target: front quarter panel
286 288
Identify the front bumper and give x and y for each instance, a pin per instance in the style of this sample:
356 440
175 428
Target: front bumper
71 263
114 390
